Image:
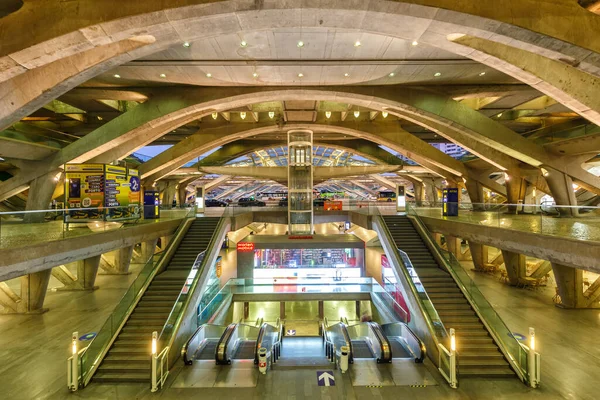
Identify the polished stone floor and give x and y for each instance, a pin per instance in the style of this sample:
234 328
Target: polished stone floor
586 227
15 233
33 350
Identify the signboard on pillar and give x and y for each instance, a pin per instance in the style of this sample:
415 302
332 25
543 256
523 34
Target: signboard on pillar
200 199
151 204
400 198
450 202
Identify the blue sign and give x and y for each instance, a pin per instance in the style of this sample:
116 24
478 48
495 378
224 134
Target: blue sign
88 336
518 336
291 332
134 184
325 378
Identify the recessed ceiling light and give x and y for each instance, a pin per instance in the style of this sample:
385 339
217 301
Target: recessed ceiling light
243 115
415 43
300 44
243 43
482 74
346 74
384 114
163 75
215 115
209 75
117 76
186 44
499 115
255 75
327 114
356 114
300 75
271 114
357 43
437 74
391 75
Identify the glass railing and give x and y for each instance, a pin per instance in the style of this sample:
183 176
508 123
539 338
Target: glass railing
24 228
92 357
541 219
494 323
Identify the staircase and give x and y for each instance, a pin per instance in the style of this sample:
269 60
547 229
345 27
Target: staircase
128 359
478 353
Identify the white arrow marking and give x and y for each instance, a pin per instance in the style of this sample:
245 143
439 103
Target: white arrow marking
326 376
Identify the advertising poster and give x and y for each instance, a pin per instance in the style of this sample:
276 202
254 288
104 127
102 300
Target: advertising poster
84 188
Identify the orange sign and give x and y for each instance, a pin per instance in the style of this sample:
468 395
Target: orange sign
333 205
245 246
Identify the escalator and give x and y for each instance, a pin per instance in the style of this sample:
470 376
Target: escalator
369 341
479 353
237 341
128 358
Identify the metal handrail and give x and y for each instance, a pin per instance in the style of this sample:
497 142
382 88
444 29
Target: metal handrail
512 359
86 376
221 352
386 352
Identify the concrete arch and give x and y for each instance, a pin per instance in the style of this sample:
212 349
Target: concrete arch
53 48
401 141
155 117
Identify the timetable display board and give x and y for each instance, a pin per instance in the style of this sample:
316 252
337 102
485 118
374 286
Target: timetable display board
84 188
111 192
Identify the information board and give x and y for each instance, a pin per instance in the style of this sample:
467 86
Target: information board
84 188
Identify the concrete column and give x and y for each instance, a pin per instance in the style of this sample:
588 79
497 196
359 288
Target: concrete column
516 266
321 310
40 196
33 292
475 191
282 309
118 261
147 250
357 306
169 193
164 242
570 286
418 189
181 195
515 191
246 310
561 188
431 195
438 238
453 244
479 253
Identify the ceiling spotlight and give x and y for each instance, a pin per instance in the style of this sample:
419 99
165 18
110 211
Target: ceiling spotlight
506 177
327 114
209 75
300 75
271 114
384 114
356 114
545 172
415 43
300 44
255 75
391 75
357 43
99 118
163 75
346 74
215 115
186 44
499 115
482 74
437 74
117 76
243 115
243 43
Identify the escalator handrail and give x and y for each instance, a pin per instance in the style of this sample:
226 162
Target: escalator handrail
348 342
184 349
383 341
259 339
221 349
422 348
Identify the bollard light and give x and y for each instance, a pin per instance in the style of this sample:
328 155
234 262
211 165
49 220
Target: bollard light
452 340
154 344
532 338
74 343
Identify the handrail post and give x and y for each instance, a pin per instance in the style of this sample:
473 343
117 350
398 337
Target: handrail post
453 382
73 365
531 360
154 359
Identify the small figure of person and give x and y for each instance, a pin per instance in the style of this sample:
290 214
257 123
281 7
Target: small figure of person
366 317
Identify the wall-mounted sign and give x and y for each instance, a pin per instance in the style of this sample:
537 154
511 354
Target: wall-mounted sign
245 246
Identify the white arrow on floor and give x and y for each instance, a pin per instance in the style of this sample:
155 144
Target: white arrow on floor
326 377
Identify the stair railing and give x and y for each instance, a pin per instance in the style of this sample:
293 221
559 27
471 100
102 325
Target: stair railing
525 366
160 370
